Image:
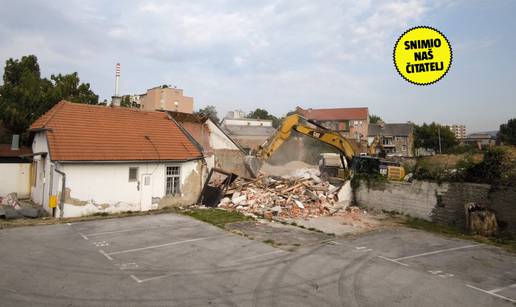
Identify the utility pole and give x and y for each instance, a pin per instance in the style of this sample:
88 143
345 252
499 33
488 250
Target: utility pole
439 133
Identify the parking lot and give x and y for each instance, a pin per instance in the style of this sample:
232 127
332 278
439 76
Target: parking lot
163 260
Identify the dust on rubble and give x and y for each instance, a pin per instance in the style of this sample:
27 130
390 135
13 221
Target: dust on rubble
287 169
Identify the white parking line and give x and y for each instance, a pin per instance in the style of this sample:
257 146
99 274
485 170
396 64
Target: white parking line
492 293
105 255
502 288
393 260
161 245
129 230
437 252
136 278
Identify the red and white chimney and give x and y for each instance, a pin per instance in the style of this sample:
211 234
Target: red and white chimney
117 79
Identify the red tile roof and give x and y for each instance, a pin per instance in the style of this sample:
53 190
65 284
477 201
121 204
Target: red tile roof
334 114
82 132
5 151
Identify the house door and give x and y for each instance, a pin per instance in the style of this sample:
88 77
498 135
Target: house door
146 193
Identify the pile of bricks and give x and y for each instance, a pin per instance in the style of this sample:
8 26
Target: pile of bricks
302 196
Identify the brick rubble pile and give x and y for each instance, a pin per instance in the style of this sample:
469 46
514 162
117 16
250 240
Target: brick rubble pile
300 195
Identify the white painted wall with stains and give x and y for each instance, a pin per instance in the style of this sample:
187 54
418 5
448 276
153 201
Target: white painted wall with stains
15 178
93 188
105 187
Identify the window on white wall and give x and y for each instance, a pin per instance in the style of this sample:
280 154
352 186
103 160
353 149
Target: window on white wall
133 174
173 176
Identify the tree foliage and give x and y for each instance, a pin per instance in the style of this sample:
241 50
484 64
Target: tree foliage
427 136
374 119
211 112
507 133
25 96
264 114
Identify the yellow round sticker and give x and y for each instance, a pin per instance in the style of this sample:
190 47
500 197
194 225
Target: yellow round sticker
422 55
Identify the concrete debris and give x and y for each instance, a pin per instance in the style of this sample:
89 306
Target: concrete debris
12 208
301 194
11 200
8 212
29 212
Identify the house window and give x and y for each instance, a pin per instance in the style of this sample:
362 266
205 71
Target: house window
404 148
173 175
133 174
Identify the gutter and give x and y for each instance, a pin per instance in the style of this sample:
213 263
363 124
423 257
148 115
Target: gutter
124 161
63 188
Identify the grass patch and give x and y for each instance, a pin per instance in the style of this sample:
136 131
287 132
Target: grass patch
216 217
505 242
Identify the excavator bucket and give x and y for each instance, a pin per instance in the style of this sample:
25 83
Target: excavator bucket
253 165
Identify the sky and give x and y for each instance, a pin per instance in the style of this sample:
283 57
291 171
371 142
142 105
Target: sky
276 55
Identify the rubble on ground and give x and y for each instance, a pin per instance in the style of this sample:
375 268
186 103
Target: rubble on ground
301 194
13 208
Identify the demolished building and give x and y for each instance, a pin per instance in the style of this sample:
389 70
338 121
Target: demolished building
219 149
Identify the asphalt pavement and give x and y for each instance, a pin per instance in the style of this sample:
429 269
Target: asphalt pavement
173 260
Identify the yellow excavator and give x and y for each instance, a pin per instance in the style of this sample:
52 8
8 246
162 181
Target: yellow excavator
347 148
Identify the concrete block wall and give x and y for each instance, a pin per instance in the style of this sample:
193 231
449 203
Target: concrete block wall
502 200
417 199
440 203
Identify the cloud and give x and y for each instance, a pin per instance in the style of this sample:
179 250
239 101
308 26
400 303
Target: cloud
272 53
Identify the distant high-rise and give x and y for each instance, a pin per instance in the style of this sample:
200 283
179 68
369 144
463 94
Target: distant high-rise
459 131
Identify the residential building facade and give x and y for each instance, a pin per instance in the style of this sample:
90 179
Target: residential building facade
352 123
481 139
395 139
166 98
459 131
90 159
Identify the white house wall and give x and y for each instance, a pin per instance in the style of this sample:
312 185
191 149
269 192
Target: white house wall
95 188
15 177
219 140
40 192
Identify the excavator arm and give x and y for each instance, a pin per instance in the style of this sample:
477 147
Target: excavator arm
297 123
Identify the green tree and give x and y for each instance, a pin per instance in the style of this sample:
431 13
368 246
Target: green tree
374 119
427 136
211 112
69 87
126 102
25 96
507 133
264 114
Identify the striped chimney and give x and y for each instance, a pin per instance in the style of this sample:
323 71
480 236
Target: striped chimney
117 79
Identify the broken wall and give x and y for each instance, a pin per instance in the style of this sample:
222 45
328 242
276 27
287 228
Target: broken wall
440 203
231 161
